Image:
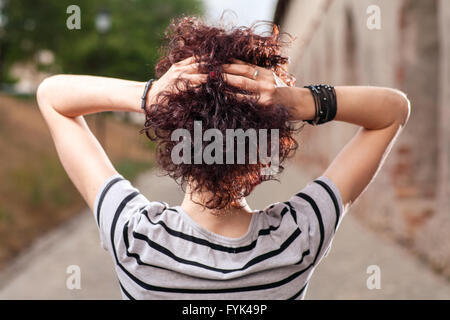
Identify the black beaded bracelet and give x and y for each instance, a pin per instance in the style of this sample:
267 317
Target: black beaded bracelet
144 96
325 103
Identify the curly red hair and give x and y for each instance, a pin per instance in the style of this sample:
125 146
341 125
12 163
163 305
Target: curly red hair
215 104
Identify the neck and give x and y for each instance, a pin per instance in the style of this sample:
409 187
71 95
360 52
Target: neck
232 221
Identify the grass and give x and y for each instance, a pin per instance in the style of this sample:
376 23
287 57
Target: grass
36 194
130 168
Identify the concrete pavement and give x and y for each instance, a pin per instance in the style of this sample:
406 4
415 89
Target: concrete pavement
41 271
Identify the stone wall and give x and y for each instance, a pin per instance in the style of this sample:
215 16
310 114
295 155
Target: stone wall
409 199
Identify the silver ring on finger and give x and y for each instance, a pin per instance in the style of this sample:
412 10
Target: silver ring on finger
255 74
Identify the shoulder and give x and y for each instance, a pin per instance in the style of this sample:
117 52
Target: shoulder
319 209
116 202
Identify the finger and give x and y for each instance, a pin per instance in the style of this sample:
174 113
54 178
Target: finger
186 61
241 82
195 78
237 61
248 71
240 70
241 97
191 68
190 60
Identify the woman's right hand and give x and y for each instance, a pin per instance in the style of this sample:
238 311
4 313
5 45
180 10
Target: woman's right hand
184 69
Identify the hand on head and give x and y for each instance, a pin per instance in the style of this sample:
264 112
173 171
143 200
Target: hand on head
253 79
239 74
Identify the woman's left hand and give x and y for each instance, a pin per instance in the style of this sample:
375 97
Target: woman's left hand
255 79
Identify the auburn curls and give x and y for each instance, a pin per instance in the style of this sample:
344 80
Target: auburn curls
215 104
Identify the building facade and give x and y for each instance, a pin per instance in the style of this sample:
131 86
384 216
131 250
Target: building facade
404 44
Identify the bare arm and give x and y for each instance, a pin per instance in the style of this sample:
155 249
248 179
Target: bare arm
381 113
78 95
64 99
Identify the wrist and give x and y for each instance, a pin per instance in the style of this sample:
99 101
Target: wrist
302 106
151 94
148 94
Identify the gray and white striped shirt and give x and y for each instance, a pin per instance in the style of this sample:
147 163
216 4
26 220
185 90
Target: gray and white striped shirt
160 252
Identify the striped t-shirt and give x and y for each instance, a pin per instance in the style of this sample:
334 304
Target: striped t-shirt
160 252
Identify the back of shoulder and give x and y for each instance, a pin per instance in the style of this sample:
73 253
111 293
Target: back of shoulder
324 196
116 200
320 204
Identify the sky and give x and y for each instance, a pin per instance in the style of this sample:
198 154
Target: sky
247 10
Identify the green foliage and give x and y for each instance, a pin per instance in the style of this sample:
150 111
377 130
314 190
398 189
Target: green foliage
151 145
130 168
128 50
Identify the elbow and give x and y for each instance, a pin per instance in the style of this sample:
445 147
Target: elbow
42 94
44 90
402 107
405 108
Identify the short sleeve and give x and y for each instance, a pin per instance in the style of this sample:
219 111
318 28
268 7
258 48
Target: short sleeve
116 201
319 209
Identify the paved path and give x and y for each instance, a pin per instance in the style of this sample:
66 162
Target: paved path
40 273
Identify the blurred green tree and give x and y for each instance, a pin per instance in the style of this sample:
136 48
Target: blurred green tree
129 49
